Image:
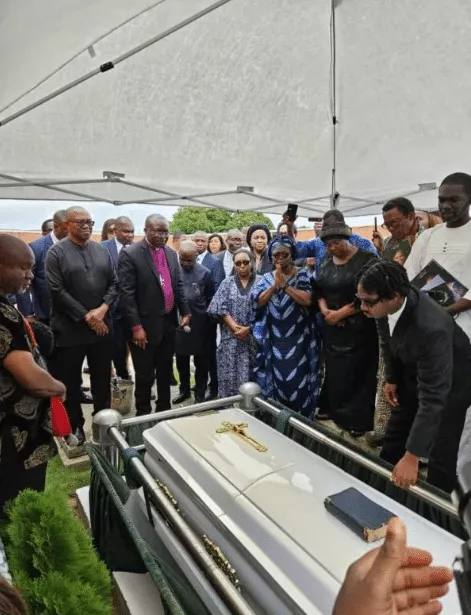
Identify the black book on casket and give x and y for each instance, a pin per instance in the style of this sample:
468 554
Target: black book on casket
366 518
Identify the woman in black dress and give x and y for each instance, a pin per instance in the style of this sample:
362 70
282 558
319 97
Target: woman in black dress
350 339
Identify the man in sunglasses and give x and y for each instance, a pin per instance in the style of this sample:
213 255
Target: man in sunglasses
427 359
83 288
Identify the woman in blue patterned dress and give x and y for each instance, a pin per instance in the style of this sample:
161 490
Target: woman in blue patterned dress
287 361
232 305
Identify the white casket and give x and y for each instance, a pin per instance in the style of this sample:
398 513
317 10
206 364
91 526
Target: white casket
265 510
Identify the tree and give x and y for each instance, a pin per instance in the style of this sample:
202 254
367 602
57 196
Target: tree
213 220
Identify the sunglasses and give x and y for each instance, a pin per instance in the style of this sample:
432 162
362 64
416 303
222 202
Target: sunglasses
240 263
369 303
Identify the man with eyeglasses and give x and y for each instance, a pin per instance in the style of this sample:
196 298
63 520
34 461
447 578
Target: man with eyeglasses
427 360
83 288
152 297
234 240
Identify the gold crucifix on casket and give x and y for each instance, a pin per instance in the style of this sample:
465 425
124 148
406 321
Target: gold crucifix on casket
238 429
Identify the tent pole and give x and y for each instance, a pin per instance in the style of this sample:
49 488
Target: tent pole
86 197
173 194
333 102
111 64
166 199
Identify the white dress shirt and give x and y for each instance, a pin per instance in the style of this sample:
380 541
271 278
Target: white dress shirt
119 245
393 318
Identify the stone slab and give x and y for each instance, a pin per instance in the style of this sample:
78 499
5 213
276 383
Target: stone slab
134 594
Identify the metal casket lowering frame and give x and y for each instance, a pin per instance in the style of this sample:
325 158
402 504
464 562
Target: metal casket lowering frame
108 438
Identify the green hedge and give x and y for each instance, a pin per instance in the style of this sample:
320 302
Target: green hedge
52 560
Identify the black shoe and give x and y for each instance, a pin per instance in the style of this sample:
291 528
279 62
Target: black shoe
86 398
86 370
192 389
181 398
199 400
210 396
80 435
153 397
86 389
374 438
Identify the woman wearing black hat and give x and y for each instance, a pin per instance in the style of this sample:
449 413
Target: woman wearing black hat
350 339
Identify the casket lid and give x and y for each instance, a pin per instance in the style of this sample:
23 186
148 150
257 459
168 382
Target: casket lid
286 486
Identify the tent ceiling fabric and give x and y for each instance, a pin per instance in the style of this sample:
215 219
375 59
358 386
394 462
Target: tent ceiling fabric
241 97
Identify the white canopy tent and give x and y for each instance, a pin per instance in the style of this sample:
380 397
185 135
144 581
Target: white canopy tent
240 104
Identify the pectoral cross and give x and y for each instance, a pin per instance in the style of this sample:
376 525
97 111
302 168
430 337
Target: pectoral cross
238 429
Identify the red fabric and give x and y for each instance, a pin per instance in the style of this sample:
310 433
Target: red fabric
60 419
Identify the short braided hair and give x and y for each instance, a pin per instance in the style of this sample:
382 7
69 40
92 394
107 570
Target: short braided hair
384 278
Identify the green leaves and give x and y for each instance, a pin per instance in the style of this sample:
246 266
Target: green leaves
52 559
190 219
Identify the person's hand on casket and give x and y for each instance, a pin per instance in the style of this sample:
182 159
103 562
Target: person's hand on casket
393 580
406 471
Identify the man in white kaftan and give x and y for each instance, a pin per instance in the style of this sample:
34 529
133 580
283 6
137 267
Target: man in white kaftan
449 244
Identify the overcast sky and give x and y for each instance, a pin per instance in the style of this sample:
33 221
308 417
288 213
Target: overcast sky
28 215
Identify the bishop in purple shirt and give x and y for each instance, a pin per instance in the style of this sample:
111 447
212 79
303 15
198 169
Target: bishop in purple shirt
154 304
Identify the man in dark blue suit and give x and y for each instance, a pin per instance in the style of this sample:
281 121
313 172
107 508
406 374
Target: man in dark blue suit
36 302
124 236
216 267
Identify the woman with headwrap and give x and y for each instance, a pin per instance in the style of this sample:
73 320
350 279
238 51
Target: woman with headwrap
350 339
232 306
287 360
258 238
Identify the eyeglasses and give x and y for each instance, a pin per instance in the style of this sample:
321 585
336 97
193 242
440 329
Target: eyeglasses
152 231
280 255
83 223
392 224
240 263
368 302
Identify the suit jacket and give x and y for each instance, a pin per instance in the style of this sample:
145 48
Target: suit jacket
429 358
216 268
221 256
110 245
141 294
37 300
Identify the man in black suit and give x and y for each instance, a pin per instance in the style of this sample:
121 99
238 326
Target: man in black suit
124 236
234 240
427 370
152 298
216 268
36 302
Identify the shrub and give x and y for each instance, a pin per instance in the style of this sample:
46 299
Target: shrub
52 559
